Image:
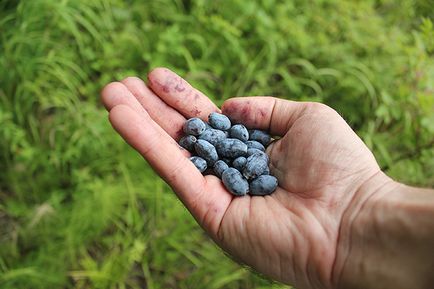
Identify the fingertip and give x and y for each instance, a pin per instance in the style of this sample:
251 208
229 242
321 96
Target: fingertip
179 94
131 80
121 114
158 73
111 94
137 87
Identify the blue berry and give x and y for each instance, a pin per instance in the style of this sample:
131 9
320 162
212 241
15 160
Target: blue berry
267 171
263 185
231 148
252 144
234 182
260 136
207 151
199 162
213 136
188 142
219 121
256 164
239 163
219 167
194 126
240 132
255 151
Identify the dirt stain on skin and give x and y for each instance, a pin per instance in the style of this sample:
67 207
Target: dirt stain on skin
245 112
228 109
179 88
195 111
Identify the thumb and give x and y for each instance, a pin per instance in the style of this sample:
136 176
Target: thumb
267 113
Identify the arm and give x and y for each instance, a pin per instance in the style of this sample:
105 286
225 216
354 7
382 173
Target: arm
391 240
335 221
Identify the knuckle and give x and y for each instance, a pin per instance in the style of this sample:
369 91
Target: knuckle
317 107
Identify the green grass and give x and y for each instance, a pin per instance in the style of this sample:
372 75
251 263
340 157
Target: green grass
80 209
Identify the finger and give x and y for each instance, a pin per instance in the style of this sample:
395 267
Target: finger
267 113
164 115
164 155
179 94
116 93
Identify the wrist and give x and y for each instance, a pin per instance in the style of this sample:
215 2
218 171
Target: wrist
387 237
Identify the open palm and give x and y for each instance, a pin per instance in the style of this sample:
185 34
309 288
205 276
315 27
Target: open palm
292 235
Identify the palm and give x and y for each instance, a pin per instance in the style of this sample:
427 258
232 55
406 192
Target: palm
299 223
290 235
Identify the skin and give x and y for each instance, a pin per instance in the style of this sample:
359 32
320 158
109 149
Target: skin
315 230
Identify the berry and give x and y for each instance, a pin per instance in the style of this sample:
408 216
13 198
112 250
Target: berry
263 185
219 121
199 162
240 132
234 182
194 126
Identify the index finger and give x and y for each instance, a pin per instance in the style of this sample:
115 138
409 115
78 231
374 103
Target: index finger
179 94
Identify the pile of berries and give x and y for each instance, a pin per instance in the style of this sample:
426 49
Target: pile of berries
231 152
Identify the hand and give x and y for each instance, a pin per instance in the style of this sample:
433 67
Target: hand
293 235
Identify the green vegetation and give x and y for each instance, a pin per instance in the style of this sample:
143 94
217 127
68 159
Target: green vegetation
80 209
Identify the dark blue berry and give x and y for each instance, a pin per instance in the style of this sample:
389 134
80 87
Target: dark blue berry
234 182
260 136
199 162
188 142
231 148
263 185
240 132
252 144
207 151
219 121
256 164
219 167
194 126
213 136
239 163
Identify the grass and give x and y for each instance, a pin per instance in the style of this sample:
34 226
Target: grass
80 209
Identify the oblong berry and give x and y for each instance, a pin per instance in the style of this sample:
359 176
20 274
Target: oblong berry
256 164
194 126
239 163
234 182
188 142
199 162
213 136
240 132
219 121
255 151
231 148
263 185
252 144
219 168
260 136
207 151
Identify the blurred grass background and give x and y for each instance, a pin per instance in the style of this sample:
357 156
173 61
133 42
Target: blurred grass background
80 209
